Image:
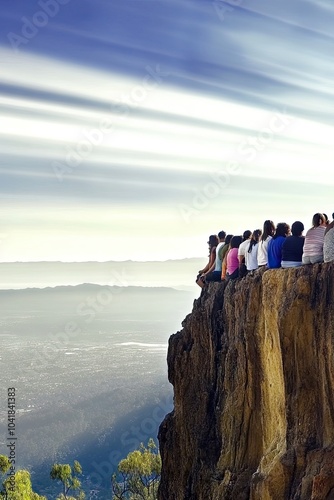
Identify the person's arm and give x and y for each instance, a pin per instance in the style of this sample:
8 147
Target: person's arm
212 268
241 256
224 266
202 271
212 262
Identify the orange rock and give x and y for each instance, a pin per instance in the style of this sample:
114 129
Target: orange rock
253 378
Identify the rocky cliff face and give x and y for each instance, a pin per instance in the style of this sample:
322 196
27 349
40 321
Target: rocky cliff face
253 377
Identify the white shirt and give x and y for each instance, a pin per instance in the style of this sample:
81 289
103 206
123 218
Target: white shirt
242 247
251 257
262 253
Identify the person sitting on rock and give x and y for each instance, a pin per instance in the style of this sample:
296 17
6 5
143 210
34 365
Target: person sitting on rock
267 234
313 251
241 252
213 242
223 250
329 242
275 245
214 274
223 253
292 249
232 260
251 251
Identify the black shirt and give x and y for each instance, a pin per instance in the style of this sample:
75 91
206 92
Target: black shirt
292 249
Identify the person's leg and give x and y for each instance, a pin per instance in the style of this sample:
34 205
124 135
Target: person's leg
290 263
214 276
200 281
306 259
242 271
234 275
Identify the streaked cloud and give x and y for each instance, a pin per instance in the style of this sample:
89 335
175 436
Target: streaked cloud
117 118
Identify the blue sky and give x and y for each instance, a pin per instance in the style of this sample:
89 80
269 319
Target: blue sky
133 129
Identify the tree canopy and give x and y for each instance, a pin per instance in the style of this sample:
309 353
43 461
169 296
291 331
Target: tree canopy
68 476
18 485
138 474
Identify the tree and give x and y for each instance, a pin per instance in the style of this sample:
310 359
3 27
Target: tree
16 486
4 464
138 474
67 475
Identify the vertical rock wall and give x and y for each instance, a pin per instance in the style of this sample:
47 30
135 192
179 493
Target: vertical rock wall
253 377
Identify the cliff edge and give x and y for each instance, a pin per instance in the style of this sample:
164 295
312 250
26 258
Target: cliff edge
253 378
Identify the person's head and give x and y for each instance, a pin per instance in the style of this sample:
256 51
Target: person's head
221 235
256 235
228 239
235 242
246 235
282 229
268 229
318 220
333 215
326 217
213 241
297 228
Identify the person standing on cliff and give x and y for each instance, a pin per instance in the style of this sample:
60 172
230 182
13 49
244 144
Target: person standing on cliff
275 245
313 251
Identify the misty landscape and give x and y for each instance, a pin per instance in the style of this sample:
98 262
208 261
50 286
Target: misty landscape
179 273
89 366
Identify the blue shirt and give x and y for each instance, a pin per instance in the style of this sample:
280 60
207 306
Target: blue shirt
275 252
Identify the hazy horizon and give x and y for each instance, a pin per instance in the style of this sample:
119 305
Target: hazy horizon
97 261
179 274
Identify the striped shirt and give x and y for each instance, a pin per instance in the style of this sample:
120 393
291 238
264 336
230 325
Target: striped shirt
314 241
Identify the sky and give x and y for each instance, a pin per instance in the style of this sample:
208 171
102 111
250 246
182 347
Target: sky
133 129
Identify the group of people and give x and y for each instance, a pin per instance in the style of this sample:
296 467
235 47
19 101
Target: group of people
231 256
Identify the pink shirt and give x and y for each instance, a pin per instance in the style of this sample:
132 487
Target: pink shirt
232 261
314 241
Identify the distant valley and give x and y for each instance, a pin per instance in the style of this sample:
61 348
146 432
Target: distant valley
89 365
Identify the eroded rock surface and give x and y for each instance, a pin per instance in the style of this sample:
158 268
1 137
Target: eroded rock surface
253 379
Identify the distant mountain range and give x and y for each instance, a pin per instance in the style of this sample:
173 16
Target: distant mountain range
171 273
89 303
